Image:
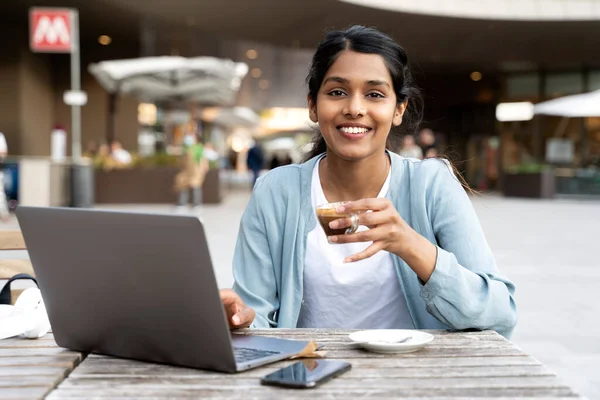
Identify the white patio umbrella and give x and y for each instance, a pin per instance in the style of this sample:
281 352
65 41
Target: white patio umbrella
204 80
231 117
578 105
207 79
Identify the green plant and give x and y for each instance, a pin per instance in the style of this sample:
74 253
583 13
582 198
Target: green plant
529 168
156 160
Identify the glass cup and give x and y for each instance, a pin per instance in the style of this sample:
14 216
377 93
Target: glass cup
328 212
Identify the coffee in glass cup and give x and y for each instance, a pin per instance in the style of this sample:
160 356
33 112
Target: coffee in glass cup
328 212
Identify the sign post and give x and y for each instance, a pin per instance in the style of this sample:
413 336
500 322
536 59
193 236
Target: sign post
56 30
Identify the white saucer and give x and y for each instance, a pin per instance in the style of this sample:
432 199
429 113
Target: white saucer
374 340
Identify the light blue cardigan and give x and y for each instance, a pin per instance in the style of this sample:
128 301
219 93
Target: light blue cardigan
465 290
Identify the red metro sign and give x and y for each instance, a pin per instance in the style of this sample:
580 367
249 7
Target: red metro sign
51 30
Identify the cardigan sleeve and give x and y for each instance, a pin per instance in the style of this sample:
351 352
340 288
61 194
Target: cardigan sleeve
466 289
253 270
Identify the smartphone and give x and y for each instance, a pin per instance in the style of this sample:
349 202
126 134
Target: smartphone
306 373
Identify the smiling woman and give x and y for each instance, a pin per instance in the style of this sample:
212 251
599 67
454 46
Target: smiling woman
419 258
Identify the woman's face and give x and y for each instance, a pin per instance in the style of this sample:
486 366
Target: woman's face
356 106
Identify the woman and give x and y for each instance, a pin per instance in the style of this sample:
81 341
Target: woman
422 263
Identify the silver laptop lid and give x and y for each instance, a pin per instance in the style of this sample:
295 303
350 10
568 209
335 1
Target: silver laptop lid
132 285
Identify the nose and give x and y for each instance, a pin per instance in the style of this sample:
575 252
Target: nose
354 107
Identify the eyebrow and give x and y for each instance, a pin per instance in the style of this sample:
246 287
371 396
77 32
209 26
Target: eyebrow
346 81
378 83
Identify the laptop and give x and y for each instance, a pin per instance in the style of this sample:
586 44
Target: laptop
138 286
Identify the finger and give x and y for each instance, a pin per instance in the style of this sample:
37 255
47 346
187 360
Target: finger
340 223
231 301
368 252
377 204
229 296
370 219
377 218
370 235
243 318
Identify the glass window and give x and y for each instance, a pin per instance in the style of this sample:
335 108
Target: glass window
564 83
594 80
522 85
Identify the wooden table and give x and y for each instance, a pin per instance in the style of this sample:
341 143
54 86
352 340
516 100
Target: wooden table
454 365
29 369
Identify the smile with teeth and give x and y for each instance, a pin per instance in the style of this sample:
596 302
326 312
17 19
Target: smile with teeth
354 130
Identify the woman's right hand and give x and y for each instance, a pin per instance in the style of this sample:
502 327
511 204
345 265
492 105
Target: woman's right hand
239 315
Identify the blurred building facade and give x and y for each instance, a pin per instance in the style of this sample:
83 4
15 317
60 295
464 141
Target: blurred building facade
468 57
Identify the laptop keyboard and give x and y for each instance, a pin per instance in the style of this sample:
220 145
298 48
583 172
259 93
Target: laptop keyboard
243 354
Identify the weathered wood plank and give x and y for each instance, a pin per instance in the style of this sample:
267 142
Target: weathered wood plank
57 361
23 393
286 394
30 381
433 345
19 342
10 268
322 392
324 334
374 372
103 363
427 352
12 240
351 352
351 379
31 370
36 351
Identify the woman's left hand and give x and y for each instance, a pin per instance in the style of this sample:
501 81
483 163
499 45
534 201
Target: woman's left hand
388 231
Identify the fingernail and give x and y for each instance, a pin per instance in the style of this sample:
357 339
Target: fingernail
236 320
340 209
333 224
332 239
347 260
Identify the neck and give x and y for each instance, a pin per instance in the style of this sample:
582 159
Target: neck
343 180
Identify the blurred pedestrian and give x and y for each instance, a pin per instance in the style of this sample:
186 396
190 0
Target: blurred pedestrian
92 149
119 154
426 139
255 161
195 168
287 160
275 162
409 148
431 152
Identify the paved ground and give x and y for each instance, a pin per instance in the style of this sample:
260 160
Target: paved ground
548 248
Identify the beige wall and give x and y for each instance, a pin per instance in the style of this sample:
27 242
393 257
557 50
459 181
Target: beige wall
31 103
36 104
9 103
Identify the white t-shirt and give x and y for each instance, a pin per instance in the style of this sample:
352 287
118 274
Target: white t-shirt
361 295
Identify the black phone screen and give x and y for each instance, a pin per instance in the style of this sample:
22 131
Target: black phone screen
306 373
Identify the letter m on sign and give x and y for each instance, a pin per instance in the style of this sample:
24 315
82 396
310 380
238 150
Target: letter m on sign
50 30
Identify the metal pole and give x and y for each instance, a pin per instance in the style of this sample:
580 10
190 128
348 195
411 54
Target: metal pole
75 86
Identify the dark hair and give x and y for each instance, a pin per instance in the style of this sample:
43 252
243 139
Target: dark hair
368 41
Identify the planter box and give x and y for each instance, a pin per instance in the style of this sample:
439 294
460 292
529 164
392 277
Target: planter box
148 186
531 184
211 189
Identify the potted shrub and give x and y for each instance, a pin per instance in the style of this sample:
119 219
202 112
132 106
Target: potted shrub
531 180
